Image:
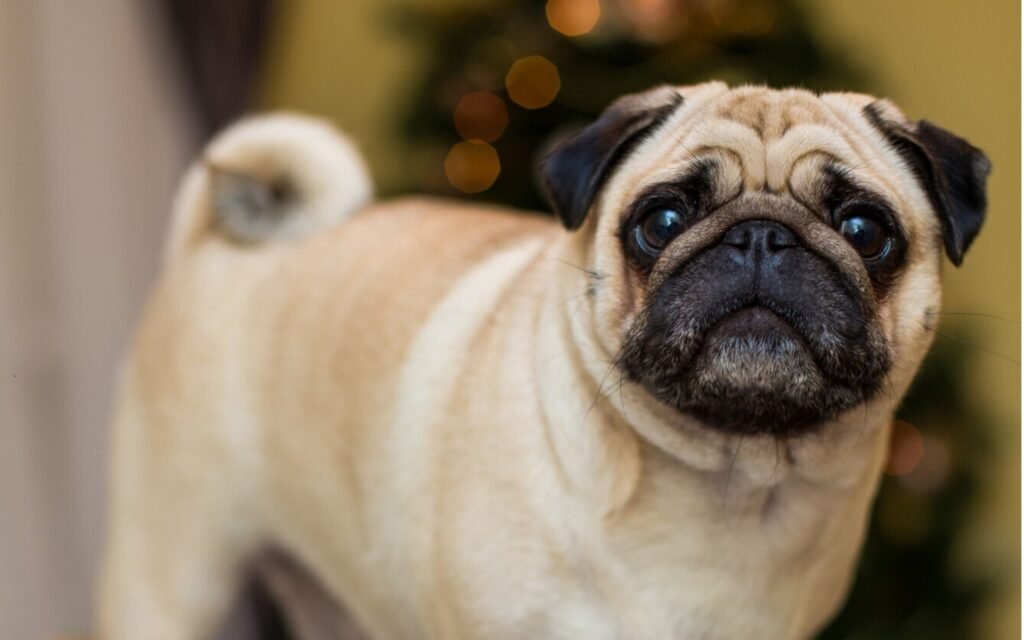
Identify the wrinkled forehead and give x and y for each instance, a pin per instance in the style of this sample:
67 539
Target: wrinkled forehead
764 139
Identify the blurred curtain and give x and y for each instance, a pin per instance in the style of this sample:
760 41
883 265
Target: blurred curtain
220 46
93 136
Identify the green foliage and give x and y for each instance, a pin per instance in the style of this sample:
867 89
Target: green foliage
470 47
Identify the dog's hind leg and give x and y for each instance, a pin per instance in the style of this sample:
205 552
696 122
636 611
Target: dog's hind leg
178 531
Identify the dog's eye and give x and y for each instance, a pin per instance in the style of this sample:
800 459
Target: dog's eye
866 235
657 229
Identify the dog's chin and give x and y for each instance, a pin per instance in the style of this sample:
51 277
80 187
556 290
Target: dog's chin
755 375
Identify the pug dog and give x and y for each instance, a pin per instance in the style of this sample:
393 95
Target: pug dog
664 418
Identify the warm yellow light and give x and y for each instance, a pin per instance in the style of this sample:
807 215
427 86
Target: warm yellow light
906 449
655 20
533 82
481 116
472 167
573 17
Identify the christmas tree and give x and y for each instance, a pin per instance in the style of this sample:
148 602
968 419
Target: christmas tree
503 80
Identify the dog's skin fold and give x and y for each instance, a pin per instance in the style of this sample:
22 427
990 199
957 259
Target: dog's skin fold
435 408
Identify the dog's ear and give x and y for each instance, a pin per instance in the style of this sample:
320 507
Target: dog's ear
576 169
952 171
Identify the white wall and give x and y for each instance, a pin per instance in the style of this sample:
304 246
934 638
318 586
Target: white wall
92 139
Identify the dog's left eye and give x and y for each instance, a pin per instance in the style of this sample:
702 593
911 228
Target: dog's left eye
656 230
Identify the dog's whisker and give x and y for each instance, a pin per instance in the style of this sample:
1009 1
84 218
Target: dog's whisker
600 387
973 345
591 273
974 314
887 379
683 146
622 400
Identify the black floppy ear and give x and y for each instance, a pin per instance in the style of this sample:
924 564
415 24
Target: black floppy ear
952 171
962 169
575 170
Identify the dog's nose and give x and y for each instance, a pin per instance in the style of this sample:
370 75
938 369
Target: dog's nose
757 240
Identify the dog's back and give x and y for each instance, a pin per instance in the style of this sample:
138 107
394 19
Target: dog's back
268 360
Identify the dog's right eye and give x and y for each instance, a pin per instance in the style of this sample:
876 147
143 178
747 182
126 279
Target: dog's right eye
656 230
866 235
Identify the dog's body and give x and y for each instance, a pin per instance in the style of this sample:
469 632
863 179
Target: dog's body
425 407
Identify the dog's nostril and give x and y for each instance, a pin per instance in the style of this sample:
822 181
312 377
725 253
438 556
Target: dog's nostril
781 238
755 236
737 237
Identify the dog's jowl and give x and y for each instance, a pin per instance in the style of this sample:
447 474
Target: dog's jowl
664 416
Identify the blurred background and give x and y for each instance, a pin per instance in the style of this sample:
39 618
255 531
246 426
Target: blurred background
102 104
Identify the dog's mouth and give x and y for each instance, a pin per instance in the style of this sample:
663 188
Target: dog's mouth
753 372
754 336
753 322
761 359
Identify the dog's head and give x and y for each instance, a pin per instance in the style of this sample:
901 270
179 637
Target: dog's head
766 260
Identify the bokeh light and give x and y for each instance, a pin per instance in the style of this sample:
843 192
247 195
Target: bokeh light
573 17
906 449
481 116
472 167
933 471
655 21
533 82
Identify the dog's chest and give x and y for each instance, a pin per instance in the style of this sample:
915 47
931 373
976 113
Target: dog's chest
771 563
712 593
713 600
700 574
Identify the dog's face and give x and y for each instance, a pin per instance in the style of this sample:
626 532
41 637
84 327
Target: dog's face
765 261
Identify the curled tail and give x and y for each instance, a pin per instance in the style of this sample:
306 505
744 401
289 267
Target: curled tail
265 178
